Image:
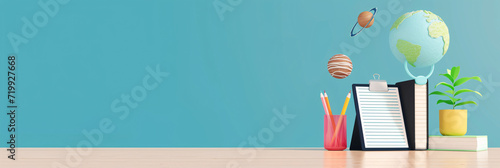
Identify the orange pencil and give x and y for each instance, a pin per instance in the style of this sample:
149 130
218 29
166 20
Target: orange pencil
328 104
329 110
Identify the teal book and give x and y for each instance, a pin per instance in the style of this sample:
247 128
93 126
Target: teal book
458 143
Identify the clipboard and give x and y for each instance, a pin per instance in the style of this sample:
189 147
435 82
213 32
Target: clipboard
379 123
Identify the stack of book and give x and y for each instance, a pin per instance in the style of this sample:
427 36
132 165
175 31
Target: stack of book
458 143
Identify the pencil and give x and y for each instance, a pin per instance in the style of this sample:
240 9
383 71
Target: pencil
328 104
346 102
331 123
324 103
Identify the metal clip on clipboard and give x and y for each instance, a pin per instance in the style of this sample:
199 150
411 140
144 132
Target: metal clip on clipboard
377 85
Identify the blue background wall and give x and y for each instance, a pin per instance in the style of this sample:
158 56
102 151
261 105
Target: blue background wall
225 76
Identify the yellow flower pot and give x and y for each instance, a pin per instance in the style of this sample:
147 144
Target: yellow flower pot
453 122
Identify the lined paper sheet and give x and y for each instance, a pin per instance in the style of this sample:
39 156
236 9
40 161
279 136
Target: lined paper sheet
420 116
381 118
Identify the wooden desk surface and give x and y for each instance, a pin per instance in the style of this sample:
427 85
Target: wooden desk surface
244 157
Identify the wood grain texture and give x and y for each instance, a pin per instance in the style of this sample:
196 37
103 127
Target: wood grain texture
245 157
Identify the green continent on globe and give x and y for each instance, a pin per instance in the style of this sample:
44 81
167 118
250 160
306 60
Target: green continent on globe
438 29
411 51
431 16
402 18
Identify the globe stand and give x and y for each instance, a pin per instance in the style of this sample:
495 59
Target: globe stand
420 80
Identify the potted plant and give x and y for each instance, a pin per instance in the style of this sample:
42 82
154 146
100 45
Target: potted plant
453 122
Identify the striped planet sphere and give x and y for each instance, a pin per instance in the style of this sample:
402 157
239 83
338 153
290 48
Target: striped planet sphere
340 66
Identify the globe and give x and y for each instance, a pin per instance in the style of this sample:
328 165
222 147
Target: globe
419 37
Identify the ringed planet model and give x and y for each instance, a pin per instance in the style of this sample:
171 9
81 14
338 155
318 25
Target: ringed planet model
365 20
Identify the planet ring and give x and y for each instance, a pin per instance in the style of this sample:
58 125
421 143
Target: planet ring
373 17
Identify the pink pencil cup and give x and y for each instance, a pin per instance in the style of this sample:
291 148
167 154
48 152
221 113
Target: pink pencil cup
334 142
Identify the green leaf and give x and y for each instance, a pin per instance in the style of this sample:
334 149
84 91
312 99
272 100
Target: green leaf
445 84
439 93
449 77
454 100
450 92
449 71
466 90
445 101
465 79
464 103
454 72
